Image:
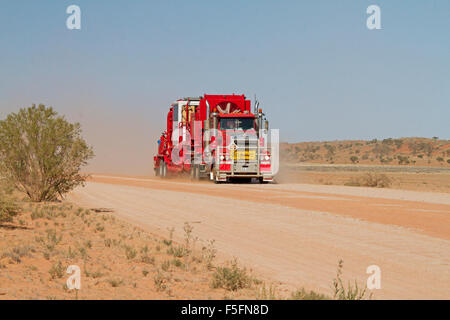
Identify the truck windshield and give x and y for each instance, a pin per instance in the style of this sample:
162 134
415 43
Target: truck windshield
236 123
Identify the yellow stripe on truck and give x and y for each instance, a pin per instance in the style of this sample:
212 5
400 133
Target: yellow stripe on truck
243 155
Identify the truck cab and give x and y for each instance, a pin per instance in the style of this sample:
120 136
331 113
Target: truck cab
243 153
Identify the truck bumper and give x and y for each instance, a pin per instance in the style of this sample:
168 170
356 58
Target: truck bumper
224 176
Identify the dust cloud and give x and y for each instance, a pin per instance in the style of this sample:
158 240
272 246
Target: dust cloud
123 144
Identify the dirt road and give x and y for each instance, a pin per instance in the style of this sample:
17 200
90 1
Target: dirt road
295 234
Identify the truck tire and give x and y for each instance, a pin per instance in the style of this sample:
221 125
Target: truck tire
161 163
197 173
194 172
163 169
213 171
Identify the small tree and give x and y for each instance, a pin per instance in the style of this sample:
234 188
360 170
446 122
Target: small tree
41 153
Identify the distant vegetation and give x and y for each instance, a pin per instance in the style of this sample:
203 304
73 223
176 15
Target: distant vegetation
403 151
41 154
374 180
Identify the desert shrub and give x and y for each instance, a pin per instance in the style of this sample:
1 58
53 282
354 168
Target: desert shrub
381 150
177 263
41 153
264 293
330 150
51 240
440 159
398 143
302 294
8 208
115 282
349 292
165 266
354 159
130 252
88 244
57 270
421 147
148 259
387 160
17 253
231 278
94 274
353 182
108 243
374 180
403 159
160 281
178 251
209 253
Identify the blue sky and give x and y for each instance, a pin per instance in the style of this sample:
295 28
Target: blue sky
317 70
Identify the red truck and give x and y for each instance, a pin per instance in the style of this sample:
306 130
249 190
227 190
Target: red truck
216 137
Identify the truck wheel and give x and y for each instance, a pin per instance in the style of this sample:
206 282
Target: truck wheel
213 176
197 172
161 167
261 181
163 172
194 172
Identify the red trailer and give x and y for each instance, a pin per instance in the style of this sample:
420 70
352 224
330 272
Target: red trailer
216 137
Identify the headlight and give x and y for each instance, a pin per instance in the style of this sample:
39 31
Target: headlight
222 157
267 158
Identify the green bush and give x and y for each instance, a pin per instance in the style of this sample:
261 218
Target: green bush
41 153
178 252
349 292
354 159
231 278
